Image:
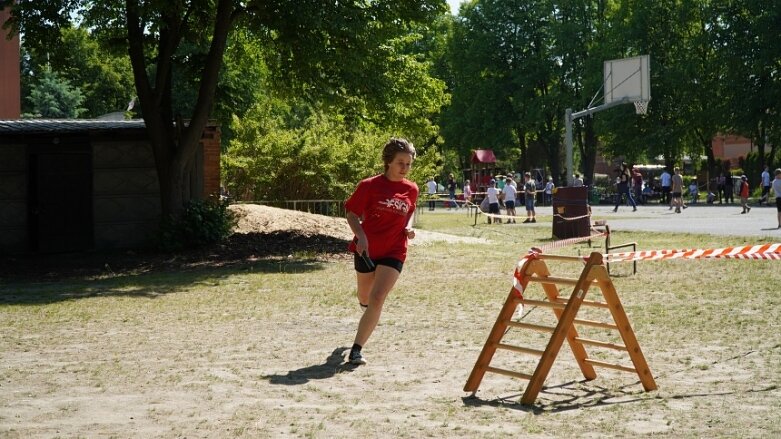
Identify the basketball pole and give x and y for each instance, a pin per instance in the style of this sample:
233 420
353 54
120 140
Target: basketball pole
569 117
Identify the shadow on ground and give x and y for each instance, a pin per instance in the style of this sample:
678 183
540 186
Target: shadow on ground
332 366
41 279
575 395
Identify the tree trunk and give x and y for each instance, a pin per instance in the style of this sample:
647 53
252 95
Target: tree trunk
706 140
174 143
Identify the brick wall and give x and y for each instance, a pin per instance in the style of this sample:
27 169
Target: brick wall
10 86
211 160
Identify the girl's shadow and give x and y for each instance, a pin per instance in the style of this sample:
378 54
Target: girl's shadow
333 365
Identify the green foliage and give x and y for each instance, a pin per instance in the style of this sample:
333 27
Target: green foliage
204 222
54 97
333 52
508 91
104 79
281 152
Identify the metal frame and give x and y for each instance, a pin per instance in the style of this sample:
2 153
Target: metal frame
611 101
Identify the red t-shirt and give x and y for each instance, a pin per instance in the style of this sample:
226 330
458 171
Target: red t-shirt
385 208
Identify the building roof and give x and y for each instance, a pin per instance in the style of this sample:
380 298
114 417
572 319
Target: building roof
42 126
483 156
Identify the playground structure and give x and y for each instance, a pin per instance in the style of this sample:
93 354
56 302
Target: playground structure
483 169
532 269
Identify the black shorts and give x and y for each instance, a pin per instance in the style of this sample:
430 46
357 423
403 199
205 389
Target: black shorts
362 267
676 195
509 204
778 204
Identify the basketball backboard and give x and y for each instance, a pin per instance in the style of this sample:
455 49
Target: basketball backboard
627 79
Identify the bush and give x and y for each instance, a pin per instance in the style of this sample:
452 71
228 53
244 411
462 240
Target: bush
204 222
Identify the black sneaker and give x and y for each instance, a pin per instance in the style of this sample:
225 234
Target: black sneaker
356 358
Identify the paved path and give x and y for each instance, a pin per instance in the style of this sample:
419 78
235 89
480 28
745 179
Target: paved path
698 218
708 219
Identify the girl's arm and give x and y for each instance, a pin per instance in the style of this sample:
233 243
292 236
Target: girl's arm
409 230
361 242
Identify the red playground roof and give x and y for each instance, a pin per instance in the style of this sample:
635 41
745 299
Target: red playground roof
483 156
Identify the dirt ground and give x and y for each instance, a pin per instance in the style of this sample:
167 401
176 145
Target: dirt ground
254 347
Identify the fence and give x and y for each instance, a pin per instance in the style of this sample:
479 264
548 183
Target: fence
333 208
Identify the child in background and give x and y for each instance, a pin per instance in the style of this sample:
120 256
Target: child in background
744 194
693 191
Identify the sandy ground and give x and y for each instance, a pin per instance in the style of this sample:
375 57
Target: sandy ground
154 359
257 218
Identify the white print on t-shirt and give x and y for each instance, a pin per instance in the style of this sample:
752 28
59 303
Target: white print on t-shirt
397 205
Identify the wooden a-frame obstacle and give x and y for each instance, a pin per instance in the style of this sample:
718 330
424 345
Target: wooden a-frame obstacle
566 311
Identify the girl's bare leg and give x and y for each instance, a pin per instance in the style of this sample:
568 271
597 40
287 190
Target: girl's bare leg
384 279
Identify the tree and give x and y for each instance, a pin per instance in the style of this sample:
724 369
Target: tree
52 97
746 33
104 79
703 101
507 91
318 49
582 35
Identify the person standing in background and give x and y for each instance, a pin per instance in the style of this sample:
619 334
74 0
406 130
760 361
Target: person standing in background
677 191
637 184
744 191
467 192
777 192
431 187
765 186
694 191
492 195
510 193
529 192
451 191
729 188
549 186
666 180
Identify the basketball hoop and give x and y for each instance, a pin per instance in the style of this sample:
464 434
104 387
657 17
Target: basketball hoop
641 106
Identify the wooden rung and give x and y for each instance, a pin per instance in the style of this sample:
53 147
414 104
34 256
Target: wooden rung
585 303
543 303
543 256
531 326
596 324
610 365
553 280
520 349
601 344
510 373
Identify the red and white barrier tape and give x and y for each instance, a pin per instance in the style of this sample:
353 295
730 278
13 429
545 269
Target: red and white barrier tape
762 252
754 252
